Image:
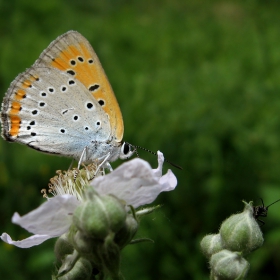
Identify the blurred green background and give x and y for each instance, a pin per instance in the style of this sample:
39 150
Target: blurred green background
198 80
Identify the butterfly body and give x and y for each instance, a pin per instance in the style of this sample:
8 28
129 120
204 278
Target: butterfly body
65 105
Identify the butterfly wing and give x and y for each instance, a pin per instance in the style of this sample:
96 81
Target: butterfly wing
51 111
73 54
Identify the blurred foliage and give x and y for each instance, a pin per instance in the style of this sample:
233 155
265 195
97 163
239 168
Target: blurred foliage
198 80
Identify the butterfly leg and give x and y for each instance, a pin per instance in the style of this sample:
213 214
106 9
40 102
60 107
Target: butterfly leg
79 163
108 166
82 156
105 163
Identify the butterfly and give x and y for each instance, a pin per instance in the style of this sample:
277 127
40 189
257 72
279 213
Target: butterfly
64 104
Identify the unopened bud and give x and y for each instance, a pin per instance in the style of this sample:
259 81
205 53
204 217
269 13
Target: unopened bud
126 233
82 270
211 244
241 232
228 265
99 215
63 247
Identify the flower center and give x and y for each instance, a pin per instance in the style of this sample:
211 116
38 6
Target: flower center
72 181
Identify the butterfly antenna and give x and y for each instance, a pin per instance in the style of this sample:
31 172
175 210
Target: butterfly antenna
273 203
136 152
153 153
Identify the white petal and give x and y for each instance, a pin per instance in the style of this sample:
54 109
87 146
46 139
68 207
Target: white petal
168 181
25 243
136 182
51 218
158 171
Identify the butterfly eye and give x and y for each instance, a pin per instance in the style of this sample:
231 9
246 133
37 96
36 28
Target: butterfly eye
126 151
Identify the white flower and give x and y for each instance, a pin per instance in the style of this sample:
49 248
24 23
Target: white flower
134 182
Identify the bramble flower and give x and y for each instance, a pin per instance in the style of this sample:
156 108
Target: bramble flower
94 219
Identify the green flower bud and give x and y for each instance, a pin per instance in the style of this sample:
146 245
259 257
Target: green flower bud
110 255
83 244
227 265
211 244
89 247
63 247
99 215
241 232
116 210
126 233
82 270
